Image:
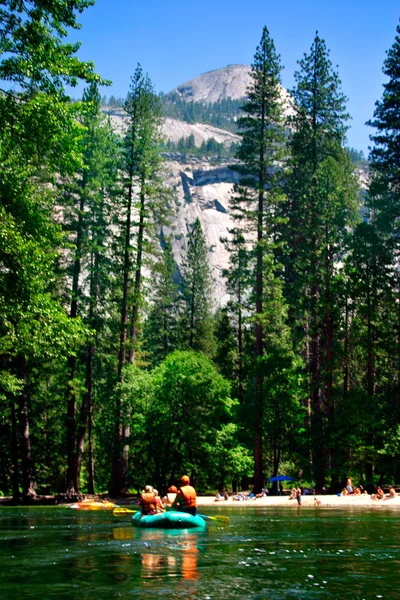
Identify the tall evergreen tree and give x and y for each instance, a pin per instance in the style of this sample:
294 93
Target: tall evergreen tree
322 202
196 322
384 204
145 204
161 328
261 154
89 223
385 155
238 281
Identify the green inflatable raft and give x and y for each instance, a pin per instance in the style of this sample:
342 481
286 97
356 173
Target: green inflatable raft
172 519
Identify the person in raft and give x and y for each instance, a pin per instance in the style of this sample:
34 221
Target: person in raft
186 499
158 502
170 496
147 501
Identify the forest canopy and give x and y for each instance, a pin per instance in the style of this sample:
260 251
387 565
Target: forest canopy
116 367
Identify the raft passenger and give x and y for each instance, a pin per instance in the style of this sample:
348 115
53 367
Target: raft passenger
186 498
147 501
170 496
158 502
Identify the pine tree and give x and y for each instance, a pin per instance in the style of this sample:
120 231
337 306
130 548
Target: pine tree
161 328
196 327
145 203
384 204
385 155
83 202
238 282
322 202
261 153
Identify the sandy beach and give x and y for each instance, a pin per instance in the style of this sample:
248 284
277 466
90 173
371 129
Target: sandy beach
325 500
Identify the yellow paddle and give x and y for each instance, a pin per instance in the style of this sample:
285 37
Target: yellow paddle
220 518
120 512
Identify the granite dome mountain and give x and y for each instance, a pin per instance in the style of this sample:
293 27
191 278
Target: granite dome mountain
214 86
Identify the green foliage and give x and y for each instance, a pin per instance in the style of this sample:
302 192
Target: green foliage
357 157
192 403
222 114
211 148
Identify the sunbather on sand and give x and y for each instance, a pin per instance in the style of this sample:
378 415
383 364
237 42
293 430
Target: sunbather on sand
391 494
380 494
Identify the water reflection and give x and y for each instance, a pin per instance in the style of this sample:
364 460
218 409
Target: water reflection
171 554
122 533
189 559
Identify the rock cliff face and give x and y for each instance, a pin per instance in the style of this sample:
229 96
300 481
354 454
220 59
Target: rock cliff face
202 191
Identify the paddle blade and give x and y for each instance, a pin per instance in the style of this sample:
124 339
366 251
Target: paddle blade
121 512
219 518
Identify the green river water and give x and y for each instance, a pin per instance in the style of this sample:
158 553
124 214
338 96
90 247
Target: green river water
265 553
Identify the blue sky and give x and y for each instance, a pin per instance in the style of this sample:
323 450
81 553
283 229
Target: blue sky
176 41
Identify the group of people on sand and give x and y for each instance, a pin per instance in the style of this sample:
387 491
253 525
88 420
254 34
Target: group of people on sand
351 490
240 496
380 494
184 499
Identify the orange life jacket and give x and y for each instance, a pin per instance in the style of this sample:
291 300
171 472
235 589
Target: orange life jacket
147 503
187 497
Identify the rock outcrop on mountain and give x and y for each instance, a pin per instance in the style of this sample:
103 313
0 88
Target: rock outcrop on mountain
174 130
204 192
228 82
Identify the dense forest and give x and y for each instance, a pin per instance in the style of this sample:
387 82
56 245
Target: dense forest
115 368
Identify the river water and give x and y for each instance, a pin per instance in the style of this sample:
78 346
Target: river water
265 553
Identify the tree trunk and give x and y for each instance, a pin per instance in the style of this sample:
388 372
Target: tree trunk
398 345
138 277
14 453
28 485
118 485
370 345
346 351
258 442
73 483
91 486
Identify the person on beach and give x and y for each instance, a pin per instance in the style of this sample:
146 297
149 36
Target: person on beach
147 501
298 495
170 496
349 486
186 498
380 494
221 496
391 494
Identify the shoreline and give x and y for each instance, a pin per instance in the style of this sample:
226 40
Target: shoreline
323 501
317 501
